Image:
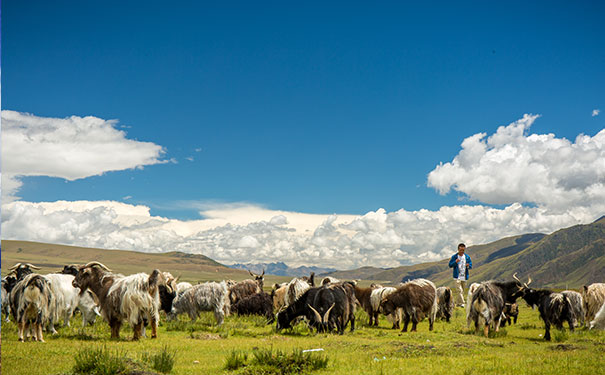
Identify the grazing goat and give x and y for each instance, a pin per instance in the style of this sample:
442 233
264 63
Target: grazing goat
30 300
333 307
329 280
599 320
577 306
594 297
488 302
554 308
8 283
66 299
246 288
511 310
364 295
256 304
445 303
417 298
377 296
133 298
300 307
209 296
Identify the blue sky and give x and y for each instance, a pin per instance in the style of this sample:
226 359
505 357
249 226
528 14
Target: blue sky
318 108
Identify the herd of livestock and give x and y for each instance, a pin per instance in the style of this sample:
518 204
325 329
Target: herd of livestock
37 302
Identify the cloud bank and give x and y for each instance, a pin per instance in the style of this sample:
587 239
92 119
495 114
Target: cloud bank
71 148
563 181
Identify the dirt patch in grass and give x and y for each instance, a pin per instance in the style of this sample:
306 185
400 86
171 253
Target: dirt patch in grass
205 336
564 347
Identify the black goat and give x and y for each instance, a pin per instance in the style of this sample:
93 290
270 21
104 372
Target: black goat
300 307
333 307
256 304
554 308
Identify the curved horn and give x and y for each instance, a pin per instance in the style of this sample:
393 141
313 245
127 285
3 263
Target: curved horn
516 278
327 314
317 316
528 280
251 274
15 267
90 264
263 274
32 266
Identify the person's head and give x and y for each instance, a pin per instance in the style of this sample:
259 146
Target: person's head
461 248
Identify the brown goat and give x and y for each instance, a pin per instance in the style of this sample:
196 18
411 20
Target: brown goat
363 295
417 298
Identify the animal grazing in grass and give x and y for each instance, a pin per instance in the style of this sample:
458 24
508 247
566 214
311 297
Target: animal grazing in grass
445 303
246 288
488 302
256 304
599 320
133 298
333 307
211 296
364 296
554 308
594 297
285 294
376 298
511 311
30 301
577 306
417 298
299 308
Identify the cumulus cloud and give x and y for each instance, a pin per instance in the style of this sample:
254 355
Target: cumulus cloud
595 112
513 166
71 148
378 238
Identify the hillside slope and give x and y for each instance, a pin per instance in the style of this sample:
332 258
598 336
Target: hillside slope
52 258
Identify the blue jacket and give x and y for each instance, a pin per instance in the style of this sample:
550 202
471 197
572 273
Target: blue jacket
454 265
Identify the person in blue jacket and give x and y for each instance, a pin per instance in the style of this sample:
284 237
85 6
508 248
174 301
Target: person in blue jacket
461 263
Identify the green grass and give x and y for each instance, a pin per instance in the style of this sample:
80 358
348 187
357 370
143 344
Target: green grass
202 347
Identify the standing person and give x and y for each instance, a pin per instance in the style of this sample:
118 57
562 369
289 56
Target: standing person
461 263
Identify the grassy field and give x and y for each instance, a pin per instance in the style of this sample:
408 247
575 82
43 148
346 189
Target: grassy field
202 347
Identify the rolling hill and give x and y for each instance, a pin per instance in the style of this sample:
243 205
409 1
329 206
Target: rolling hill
52 258
567 258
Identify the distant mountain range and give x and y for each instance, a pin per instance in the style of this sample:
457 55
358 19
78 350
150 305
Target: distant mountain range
281 269
567 258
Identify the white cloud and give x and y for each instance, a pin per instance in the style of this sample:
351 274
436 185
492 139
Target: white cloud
595 112
513 166
71 148
378 238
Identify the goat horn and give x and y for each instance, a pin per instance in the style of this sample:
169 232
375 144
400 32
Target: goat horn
516 278
317 316
15 267
528 280
90 264
327 314
32 266
263 274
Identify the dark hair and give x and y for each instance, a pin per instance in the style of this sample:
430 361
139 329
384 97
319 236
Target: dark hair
461 245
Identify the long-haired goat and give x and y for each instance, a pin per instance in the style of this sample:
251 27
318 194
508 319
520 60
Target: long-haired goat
376 298
133 298
577 306
8 283
300 307
209 296
417 298
364 296
554 308
511 311
445 303
594 297
469 298
30 300
256 304
333 307
599 320
488 302
247 287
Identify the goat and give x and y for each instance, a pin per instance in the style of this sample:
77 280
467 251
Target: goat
554 308
256 304
246 288
22 269
211 296
469 298
377 296
86 301
329 280
488 302
300 307
445 303
599 320
66 299
577 306
133 298
417 298
8 283
296 287
511 310
334 307
30 300
594 297
364 295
